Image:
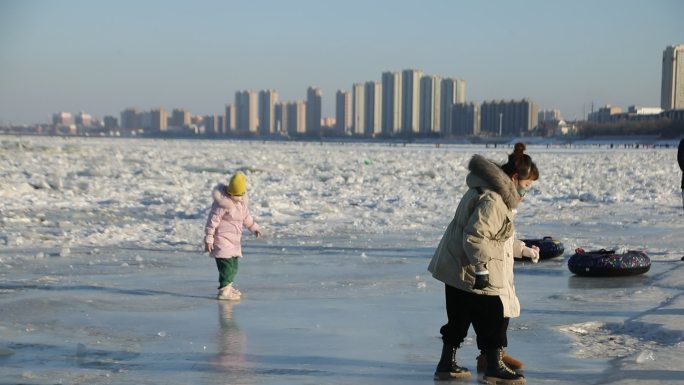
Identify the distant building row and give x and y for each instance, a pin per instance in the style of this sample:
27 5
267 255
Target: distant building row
404 103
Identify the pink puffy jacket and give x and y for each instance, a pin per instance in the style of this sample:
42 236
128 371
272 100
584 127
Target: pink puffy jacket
224 225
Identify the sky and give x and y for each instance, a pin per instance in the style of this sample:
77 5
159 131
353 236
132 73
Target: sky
104 56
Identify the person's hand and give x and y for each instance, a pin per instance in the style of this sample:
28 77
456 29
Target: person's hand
531 253
209 247
257 234
481 280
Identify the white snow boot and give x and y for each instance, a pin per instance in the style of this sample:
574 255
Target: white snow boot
227 293
235 290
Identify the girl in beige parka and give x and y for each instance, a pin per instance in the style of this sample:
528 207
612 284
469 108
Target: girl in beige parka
474 259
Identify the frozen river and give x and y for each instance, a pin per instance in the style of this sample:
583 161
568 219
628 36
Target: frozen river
102 280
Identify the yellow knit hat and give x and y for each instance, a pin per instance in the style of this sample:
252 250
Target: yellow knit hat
238 184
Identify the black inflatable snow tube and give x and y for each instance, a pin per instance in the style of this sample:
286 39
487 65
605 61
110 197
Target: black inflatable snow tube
548 247
605 263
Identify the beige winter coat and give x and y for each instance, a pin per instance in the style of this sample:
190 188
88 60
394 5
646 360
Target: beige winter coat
481 236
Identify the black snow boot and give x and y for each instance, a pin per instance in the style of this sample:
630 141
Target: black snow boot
447 368
498 373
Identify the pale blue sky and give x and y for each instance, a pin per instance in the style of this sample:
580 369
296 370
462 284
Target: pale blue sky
103 56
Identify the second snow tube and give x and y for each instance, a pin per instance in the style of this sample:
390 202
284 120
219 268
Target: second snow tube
606 263
548 247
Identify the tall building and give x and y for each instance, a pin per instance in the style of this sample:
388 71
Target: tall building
159 119
410 101
180 118
672 89
453 91
294 117
391 103
211 124
430 104
230 118
146 120
314 109
343 111
508 117
373 108
246 116
299 113
131 118
267 116
465 119
279 118
62 118
221 123
549 116
358 109
111 123
83 119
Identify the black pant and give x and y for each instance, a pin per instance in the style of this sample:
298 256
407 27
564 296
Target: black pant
484 312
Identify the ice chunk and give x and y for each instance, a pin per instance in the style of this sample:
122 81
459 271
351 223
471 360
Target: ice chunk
645 356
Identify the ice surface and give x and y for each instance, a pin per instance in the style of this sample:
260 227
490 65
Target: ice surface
102 279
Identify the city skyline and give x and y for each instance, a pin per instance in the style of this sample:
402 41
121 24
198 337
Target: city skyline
196 56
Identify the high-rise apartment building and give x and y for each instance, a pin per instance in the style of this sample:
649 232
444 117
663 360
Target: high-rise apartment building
314 109
221 123
230 118
453 91
131 118
549 116
159 119
672 88
343 111
410 101
180 118
279 118
391 103
465 119
358 109
293 117
83 119
267 116
373 108
430 104
111 123
62 118
508 117
146 120
211 124
246 112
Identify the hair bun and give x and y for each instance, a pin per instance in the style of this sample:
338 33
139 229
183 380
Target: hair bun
519 148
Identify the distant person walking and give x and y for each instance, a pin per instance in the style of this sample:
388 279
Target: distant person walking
474 259
680 159
223 231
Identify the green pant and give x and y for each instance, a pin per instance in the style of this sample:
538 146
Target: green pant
227 268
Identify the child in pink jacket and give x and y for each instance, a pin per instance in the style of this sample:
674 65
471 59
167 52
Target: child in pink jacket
222 233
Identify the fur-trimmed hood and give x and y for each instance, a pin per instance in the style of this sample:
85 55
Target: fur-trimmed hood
220 195
486 174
